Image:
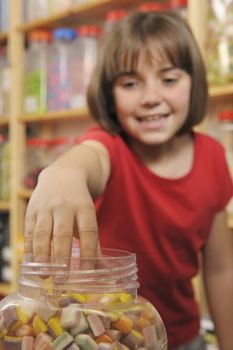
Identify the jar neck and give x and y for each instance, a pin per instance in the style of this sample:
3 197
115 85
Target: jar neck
114 272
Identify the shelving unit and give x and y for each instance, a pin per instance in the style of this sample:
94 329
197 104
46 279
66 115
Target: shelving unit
17 122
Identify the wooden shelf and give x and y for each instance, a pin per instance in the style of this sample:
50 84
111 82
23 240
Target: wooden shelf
4 120
220 91
3 38
4 289
81 113
25 193
4 205
79 14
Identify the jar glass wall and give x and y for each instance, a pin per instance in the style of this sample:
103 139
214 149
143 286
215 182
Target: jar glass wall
80 304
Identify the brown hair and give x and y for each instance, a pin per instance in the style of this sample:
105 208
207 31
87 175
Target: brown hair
165 32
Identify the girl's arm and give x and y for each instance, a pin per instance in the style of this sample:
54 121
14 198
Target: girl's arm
61 205
218 279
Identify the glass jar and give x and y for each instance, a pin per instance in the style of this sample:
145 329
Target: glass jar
36 159
75 303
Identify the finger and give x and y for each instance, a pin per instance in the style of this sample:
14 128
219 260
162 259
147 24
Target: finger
42 235
63 232
88 235
30 222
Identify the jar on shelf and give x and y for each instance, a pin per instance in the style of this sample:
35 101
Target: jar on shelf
152 6
36 159
65 305
4 15
85 53
225 118
60 5
5 169
219 46
62 59
111 18
179 6
60 145
34 9
4 83
36 71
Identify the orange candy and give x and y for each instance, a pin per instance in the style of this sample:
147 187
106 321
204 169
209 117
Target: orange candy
124 324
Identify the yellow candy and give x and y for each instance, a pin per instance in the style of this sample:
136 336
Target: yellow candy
125 297
38 325
55 327
23 319
3 332
80 298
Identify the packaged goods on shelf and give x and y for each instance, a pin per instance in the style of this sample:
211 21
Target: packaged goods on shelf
153 6
36 159
34 9
4 83
62 69
60 145
36 71
219 45
4 15
83 62
60 5
5 250
180 6
111 18
5 172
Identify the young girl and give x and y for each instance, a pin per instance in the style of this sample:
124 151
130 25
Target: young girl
145 181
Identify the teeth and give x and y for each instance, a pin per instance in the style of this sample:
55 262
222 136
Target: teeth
150 118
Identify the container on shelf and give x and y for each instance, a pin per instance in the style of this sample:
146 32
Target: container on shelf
111 18
153 6
37 158
85 53
62 69
5 168
61 5
219 46
36 71
66 305
35 9
179 6
5 250
4 83
4 15
60 145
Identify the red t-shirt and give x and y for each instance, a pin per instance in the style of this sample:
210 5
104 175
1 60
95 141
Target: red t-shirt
166 222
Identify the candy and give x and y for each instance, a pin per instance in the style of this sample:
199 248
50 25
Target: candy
12 343
38 325
81 326
54 327
69 317
62 341
96 324
150 337
86 342
124 324
27 343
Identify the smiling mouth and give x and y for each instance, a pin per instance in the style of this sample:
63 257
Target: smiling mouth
152 118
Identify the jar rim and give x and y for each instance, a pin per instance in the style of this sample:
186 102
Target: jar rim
113 270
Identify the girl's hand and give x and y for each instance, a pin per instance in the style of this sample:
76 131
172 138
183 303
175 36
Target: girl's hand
61 206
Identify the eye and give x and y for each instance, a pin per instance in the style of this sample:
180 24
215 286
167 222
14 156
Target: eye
130 83
170 80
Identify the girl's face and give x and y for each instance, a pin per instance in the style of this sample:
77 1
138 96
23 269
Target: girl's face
152 102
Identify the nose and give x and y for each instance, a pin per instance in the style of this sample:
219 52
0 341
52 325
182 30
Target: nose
151 96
